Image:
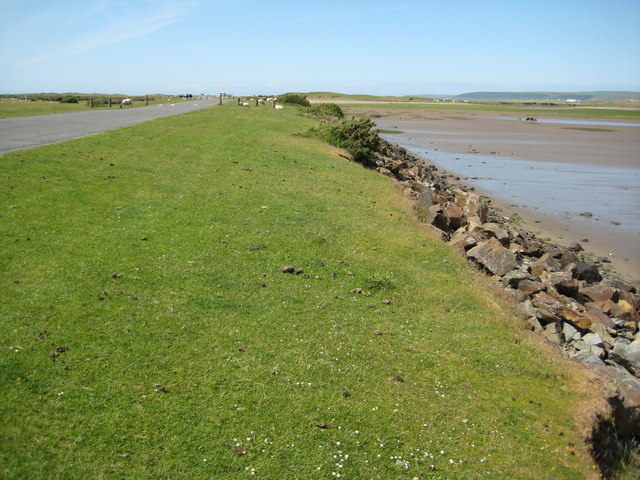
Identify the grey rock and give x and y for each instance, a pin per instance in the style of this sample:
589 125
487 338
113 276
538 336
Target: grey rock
533 324
600 352
552 332
593 339
580 345
527 309
627 355
568 332
626 399
588 358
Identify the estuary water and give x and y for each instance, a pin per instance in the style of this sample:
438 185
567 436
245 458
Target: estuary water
592 193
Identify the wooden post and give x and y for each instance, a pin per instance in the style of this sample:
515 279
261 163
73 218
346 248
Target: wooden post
146 100
109 102
91 103
221 99
256 101
238 100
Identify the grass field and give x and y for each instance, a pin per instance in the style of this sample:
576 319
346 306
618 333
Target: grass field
18 108
147 330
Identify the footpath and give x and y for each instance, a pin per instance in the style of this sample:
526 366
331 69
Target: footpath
18 133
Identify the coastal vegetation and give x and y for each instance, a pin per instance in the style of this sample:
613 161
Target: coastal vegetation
294 99
326 110
359 137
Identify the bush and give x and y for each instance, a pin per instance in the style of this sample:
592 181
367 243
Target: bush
356 136
294 98
69 100
326 109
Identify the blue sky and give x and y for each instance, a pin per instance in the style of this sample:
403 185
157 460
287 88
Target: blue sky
399 47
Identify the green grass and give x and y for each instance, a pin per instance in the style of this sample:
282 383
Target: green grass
152 255
16 108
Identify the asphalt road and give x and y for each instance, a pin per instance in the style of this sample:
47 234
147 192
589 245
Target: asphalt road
26 132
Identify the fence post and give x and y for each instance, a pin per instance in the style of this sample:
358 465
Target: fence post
146 100
221 99
109 102
256 101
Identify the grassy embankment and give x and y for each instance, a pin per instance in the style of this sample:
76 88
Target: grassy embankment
147 331
20 108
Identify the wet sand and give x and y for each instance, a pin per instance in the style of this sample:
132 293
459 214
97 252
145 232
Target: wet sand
567 181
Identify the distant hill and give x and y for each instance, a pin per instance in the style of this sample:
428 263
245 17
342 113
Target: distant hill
602 96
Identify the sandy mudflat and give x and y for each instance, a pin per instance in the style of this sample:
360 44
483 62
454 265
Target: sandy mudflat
568 181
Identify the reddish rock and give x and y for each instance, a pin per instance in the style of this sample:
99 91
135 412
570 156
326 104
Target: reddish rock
493 256
455 215
600 293
603 306
398 165
495 230
439 198
477 211
531 287
463 241
552 310
597 317
546 263
630 298
437 218
564 283
407 173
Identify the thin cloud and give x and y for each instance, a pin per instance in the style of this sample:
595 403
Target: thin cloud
115 32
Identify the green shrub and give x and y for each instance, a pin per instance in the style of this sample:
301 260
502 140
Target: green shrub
326 109
69 100
294 98
358 137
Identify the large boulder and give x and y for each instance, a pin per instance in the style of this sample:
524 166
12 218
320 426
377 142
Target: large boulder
550 309
454 215
495 230
493 257
587 272
546 263
599 293
462 240
564 283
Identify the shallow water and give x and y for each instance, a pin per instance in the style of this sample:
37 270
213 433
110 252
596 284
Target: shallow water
608 194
